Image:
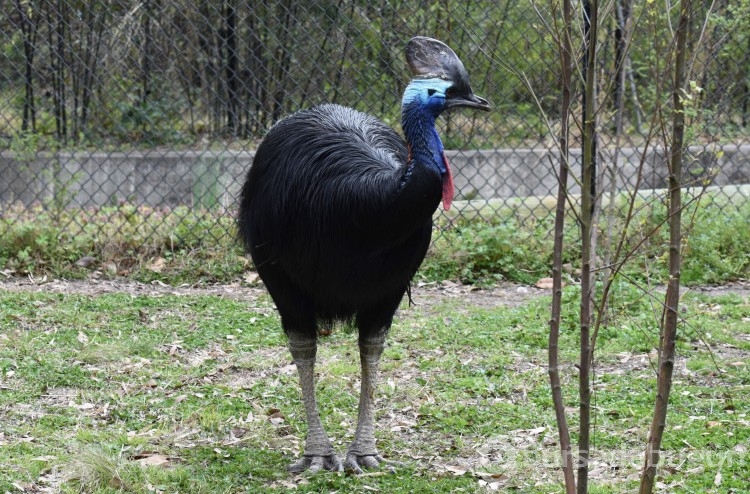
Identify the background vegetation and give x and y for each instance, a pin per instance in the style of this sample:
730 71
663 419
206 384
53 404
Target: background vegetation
169 72
148 244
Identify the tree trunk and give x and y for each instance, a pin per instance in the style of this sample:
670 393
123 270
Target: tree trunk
94 38
588 197
283 55
232 66
670 317
566 69
207 39
256 93
146 53
28 31
57 43
622 10
340 71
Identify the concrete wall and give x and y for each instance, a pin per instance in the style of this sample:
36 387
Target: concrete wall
169 179
507 173
159 179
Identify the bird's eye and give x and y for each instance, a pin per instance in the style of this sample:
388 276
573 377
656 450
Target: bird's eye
430 92
450 92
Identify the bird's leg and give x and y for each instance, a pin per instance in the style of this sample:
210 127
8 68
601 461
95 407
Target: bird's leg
319 452
362 452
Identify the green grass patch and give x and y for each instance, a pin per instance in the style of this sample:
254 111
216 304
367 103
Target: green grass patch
177 245
514 242
142 393
511 242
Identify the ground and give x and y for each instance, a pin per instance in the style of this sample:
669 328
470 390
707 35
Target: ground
423 411
506 294
423 294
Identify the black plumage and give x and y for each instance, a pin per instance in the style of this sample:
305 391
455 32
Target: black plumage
333 225
336 212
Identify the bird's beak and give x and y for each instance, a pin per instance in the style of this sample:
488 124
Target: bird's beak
470 100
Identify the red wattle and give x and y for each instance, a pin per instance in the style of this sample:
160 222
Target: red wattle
447 185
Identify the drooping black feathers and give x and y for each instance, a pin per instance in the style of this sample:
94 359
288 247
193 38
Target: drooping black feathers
332 227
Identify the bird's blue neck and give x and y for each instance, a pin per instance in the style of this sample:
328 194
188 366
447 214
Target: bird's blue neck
425 146
423 101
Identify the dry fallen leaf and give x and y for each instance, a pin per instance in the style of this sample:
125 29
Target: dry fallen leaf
157 266
251 277
546 284
457 471
275 417
154 460
492 477
239 432
288 370
85 262
143 316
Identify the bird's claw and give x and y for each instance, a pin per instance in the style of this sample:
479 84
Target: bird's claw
312 464
355 462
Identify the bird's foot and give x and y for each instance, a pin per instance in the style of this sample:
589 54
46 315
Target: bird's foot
312 464
356 462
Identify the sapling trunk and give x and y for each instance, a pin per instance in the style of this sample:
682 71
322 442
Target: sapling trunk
670 318
587 239
566 67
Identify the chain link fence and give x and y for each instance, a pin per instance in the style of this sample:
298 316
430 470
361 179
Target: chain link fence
137 119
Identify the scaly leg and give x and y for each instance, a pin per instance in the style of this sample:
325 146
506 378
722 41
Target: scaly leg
362 452
319 452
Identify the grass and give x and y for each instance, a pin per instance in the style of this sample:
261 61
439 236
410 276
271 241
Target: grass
516 245
120 240
108 392
187 245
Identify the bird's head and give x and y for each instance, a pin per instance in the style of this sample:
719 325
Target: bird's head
440 80
439 83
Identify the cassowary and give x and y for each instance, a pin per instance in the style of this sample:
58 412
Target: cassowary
336 213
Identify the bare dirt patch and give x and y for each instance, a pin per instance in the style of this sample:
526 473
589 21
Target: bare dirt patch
424 295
